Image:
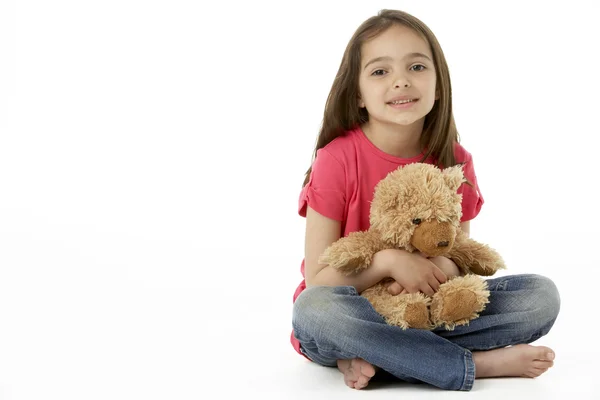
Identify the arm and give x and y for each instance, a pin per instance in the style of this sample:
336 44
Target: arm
447 266
466 227
321 232
353 253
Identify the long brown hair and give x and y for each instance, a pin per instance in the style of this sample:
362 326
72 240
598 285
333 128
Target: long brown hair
342 111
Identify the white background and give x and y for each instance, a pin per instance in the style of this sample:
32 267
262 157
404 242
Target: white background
151 157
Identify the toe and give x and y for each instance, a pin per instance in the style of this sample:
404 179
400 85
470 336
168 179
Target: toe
349 378
367 369
362 382
544 353
343 365
542 364
538 371
532 373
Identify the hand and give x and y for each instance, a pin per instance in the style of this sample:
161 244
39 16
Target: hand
412 273
447 266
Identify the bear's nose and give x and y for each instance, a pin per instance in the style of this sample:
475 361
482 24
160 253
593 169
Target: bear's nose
443 244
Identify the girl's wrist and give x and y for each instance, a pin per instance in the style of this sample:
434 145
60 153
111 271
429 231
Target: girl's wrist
385 259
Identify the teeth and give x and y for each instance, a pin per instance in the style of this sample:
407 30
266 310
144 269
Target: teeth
401 101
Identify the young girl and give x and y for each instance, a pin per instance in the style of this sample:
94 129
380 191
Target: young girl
391 105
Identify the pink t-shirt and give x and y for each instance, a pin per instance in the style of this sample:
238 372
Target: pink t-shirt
343 178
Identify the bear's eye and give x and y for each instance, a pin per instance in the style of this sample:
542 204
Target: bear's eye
416 221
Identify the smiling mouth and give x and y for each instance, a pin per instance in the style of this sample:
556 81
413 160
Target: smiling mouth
398 102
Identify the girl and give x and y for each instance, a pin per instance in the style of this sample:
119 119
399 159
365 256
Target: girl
390 105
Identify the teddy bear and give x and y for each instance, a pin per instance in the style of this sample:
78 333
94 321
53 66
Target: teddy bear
417 208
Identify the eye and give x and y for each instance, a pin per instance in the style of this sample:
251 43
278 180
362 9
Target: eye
376 72
419 65
416 221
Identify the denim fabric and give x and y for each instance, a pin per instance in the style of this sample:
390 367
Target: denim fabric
334 323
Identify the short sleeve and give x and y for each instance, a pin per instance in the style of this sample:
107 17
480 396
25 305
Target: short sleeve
326 188
472 200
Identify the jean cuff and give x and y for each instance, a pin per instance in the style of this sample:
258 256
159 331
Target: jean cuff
469 372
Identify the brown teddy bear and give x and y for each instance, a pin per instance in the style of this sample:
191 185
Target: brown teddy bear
417 208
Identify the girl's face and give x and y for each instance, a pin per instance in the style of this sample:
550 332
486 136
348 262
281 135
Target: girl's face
397 66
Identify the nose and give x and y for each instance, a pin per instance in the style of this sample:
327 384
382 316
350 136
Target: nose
402 81
443 244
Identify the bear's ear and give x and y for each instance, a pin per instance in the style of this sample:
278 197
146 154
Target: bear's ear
454 176
386 195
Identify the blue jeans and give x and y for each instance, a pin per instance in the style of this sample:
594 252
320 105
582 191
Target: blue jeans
335 323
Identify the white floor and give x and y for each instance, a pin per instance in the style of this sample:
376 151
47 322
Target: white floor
63 343
574 376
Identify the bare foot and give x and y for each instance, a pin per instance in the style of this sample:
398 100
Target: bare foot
357 372
521 360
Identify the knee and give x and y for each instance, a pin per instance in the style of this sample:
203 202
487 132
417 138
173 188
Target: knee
312 301
319 301
545 299
319 308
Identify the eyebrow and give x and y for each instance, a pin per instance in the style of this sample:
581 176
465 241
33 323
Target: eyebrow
387 58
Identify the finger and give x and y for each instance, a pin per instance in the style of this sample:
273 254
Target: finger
427 290
439 275
433 290
394 288
435 285
404 291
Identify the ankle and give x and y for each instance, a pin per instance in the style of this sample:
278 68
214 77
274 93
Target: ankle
483 363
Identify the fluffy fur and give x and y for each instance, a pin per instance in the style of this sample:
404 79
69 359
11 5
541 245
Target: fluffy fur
417 208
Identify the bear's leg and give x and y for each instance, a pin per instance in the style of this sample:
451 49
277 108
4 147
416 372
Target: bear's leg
405 311
458 301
